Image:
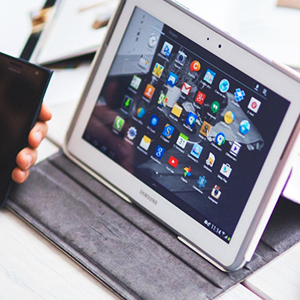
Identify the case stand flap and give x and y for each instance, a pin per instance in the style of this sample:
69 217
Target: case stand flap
124 247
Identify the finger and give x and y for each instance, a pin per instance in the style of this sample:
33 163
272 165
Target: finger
19 176
37 134
26 158
45 114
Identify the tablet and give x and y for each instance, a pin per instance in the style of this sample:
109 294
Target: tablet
192 126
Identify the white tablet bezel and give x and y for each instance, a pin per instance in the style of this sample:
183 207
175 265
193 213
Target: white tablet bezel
274 172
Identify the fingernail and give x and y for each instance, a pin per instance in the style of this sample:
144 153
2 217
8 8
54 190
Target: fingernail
38 137
29 161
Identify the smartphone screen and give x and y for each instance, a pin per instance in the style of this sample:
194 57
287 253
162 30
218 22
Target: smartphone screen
22 88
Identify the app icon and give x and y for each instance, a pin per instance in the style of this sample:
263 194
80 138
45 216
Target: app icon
145 142
209 76
211 159
202 182
187 172
195 66
215 106
239 95
216 192
229 117
153 39
154 121
235 148
244 127
144 61
176 110
205 128
186 88
118 123
173 161
162 100
226 170
257 87
224 85
127 103
220 139
182 140
168 131
196 150
172 79
140 112
264 92
191 119
149 91
159 152
200 98
135 82
181 57
131 133
254 105
157 70
167 49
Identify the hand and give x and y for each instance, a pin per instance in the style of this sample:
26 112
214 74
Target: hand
27 156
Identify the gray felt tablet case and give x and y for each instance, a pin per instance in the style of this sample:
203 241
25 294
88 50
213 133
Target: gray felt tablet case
126 249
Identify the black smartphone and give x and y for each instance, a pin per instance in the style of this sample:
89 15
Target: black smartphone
22 89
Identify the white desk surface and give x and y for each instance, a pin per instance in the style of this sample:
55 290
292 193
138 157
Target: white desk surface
33 268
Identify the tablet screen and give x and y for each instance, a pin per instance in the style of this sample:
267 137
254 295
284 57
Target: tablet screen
186 123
